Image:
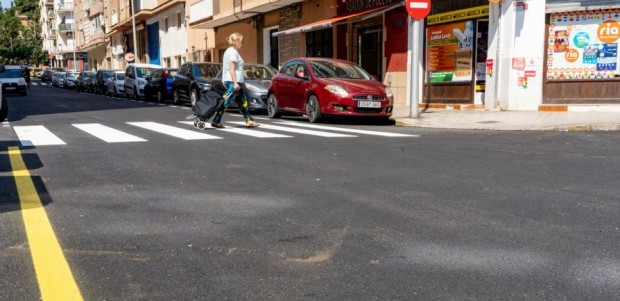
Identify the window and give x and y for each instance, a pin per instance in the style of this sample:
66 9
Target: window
289 69
177 59
319 43
179 20
165 24
167 62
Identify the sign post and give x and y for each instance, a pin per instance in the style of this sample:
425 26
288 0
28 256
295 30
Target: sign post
417 10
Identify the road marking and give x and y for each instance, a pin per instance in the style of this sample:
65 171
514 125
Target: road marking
36 135
331 128
242 131
173 131
56 282
107 134
295 130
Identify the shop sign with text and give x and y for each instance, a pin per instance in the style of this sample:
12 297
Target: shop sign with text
449 52
583 45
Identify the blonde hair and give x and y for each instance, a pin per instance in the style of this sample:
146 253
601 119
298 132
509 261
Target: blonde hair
234 37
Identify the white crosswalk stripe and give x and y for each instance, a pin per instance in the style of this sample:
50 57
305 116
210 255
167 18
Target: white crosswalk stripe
173 131
36 135
298 131
242 131
107 134
346 130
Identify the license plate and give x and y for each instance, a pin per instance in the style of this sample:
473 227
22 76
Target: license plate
10 88
368 104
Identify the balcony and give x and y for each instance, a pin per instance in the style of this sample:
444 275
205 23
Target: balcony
65 27
51 14
65 7
200 11
52 35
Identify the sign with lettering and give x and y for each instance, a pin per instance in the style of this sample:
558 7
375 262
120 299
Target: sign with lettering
418 9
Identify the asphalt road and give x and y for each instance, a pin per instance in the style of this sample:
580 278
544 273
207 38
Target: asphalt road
430 215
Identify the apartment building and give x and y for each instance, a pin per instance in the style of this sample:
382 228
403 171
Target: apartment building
58 31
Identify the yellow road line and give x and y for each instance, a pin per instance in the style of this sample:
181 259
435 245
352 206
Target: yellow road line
55 279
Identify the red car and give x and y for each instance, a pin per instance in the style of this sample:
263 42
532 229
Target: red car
320 87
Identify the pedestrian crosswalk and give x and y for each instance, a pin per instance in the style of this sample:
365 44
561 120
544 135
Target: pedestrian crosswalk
39 135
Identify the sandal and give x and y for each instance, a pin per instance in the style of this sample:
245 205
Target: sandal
252 124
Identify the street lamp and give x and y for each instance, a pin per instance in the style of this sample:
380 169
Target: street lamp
133 24
73 33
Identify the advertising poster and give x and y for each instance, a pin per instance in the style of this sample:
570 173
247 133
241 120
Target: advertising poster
449 52
583 45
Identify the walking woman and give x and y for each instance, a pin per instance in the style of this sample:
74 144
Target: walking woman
233 78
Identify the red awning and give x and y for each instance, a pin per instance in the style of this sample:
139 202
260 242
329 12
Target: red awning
327 23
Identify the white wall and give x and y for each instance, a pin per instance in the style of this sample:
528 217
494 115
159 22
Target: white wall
174 41
519 34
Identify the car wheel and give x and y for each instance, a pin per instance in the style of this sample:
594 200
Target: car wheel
4 108
194 97
313 109
176 99
272 107
160 97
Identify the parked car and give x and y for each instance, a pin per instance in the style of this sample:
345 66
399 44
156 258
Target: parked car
115 85
46 76
4 104
101 79
39 74
320 87
13 81
257 80
135 78
159 84
60 79
85 81
71 79
193 79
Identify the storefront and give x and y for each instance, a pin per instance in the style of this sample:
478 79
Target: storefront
456 45
581 64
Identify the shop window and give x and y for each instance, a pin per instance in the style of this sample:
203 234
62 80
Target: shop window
319 43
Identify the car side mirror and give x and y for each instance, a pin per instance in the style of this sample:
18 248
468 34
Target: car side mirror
2 68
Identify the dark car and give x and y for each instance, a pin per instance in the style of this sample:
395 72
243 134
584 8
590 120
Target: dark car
320 87
159 84
257 79
85 81
46 76
101 79
193 79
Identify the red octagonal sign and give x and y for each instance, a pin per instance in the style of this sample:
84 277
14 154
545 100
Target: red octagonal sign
418 9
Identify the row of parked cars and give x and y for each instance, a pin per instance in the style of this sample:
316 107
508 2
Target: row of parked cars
315 87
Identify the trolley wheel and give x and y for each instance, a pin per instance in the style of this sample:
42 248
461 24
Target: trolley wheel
201 125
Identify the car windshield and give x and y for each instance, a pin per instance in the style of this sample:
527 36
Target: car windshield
144 72
203 70
258 72
11 73
106 75
120 76
61 76
72 75
331 69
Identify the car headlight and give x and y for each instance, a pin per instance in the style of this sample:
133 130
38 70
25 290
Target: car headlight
255 89
204 86
388 92
21 82
338 90
141 82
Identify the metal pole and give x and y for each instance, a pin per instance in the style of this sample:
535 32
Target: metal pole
73 31
133 24
414 59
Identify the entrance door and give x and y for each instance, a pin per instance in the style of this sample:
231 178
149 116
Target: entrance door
153 37
482 45
371 51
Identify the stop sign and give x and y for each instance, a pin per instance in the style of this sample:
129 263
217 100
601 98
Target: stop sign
418 9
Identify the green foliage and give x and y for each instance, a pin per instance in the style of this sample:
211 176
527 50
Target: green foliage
21 42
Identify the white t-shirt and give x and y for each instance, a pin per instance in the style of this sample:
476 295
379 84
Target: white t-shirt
232 55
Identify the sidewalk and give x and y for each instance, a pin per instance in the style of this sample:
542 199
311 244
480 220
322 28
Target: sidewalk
512 120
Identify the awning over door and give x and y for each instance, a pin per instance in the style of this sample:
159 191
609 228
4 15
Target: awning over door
327 23
560 6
